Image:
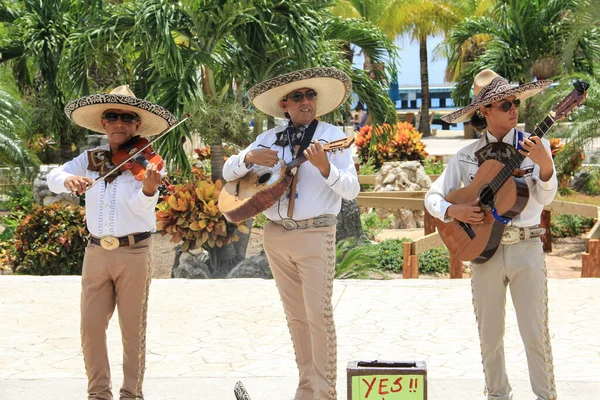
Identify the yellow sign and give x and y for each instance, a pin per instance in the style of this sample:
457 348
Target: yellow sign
388 387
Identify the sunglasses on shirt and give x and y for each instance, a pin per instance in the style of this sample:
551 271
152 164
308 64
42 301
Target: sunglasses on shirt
127 118
299 96
507 105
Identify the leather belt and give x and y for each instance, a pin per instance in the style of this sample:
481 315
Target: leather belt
514 235
112 242
316 222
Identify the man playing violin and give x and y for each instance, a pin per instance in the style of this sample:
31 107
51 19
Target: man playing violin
120 217
299 240
519 260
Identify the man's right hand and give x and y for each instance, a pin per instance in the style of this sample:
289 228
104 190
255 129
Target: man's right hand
77 184
266 157
470 213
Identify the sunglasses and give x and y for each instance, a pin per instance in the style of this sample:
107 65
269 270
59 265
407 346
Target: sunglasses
507 105
299 96
127 118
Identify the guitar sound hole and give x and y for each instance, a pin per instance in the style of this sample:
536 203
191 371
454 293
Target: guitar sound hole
264 178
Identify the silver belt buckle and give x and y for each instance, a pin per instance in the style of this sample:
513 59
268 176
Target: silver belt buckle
289 224
109 243
511 235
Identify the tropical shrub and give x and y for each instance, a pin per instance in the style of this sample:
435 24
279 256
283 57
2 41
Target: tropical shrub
568 160
356 261
19 195
372 224
390 254
382 143
569 225
435 261
433 167
189 213
50 240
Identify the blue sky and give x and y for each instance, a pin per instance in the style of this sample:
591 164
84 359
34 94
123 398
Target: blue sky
409 69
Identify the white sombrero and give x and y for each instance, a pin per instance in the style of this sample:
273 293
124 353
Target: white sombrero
489 87
332 86
87 111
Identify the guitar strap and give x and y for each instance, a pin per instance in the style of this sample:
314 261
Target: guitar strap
299 139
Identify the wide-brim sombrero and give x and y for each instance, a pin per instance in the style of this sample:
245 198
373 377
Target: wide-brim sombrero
332 86
87 111
489 87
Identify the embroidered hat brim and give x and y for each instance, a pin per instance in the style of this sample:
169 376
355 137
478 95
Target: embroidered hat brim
332 86
497 89
87 112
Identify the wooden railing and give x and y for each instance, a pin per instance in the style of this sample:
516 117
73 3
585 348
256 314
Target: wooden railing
590 260
370 179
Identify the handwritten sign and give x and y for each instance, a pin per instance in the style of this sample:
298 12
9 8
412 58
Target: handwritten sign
388 387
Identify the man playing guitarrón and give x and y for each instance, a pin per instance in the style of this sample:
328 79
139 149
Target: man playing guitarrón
519 260
301 248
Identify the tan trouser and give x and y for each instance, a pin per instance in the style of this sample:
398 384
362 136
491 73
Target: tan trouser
522 267
120 277
303 265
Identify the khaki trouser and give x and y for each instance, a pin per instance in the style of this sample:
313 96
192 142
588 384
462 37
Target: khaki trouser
120 277
522 267
303 265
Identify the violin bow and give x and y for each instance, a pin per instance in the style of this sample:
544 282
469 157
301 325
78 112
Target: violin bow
133 155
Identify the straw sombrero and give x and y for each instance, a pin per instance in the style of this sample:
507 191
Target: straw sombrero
87 111
332 86
489 87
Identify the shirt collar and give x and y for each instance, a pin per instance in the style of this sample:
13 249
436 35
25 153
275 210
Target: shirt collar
509 138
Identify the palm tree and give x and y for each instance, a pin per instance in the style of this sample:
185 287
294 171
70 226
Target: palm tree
523 41
586 18
33 41
12 150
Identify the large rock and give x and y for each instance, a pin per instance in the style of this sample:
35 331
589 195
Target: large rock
190 265
403 176
43 196
252 267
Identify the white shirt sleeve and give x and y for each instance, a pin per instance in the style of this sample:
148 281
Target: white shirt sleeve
544 192
448 181
57 176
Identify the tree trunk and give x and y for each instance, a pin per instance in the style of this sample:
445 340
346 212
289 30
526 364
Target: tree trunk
223 259
348 221
258 124
529 124
66 154
216 159
270 122
424 126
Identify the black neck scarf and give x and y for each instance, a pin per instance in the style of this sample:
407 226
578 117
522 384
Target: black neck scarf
301 135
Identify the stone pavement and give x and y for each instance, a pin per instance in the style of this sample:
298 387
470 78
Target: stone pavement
204 335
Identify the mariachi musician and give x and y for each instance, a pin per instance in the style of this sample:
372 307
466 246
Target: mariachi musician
120 217
299 240
519 260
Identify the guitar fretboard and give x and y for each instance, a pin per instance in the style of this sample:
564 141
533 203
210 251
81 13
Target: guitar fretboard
515 162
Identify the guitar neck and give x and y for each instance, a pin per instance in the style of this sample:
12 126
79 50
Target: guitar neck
515 162
296 161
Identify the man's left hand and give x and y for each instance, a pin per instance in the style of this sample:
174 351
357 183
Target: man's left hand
152 180
533 148
317 157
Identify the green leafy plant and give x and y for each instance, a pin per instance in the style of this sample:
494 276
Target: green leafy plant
356 261
433 167
372 224
435 261
569 225
189 213
50 240
20 195
259 221
390 254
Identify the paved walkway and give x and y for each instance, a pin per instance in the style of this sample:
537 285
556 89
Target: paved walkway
204 335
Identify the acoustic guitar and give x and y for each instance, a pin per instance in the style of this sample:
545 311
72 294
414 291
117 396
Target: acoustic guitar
499 193
261 188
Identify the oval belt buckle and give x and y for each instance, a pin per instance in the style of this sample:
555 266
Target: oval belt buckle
109 243
289 224
511 236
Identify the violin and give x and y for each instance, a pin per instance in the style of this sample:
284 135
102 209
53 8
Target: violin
137 165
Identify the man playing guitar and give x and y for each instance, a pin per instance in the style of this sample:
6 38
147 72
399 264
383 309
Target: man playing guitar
299 240
519 260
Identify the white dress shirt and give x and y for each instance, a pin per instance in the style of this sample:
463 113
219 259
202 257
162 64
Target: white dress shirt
119 208
316 195
462 169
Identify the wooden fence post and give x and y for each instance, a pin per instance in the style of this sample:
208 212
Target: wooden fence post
547 237
590 261
456 268
428 223
410 264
